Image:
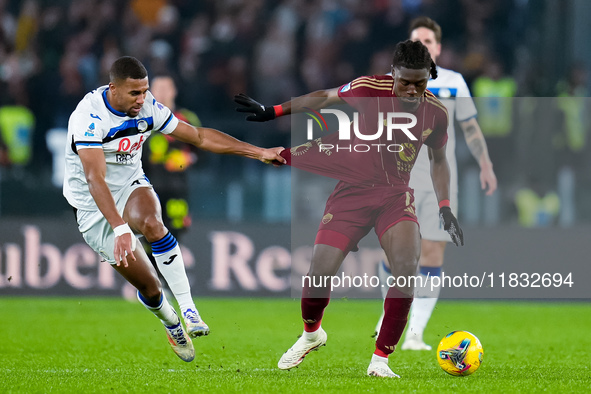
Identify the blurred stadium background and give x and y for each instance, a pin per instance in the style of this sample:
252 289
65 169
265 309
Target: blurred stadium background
532 54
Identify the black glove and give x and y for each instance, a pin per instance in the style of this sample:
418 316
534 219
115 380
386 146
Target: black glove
450 224
260 113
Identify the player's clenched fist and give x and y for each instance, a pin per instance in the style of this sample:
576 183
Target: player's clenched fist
451 225
273 156
259 112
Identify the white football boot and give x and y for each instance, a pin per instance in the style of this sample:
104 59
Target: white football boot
196 327
180 342
295 355
380 369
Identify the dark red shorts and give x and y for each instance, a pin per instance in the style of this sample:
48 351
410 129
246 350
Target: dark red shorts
352 211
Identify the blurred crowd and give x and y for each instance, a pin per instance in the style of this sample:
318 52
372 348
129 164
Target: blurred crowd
52 52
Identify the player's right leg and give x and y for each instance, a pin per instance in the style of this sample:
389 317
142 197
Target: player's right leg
326 261
401 242
143 213
142 275
424 302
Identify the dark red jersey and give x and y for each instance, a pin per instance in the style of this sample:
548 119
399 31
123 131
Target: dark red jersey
386 159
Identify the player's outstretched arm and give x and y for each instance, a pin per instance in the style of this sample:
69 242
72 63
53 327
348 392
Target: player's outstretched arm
261 113
95 169
217 142
441 179
477 145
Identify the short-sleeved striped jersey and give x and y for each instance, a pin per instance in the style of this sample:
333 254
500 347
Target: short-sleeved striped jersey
96 124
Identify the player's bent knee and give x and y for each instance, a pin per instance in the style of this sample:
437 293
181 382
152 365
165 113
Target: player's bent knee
151 292
153 229
153 300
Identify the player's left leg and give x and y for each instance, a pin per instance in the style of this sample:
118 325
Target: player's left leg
143 213
142 275
401 242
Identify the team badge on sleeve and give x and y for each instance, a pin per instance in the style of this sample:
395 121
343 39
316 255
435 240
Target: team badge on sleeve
346 87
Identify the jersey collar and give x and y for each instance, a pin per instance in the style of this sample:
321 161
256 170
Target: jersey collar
109 107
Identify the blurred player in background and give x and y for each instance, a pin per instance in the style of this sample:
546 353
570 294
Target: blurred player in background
448 86
373 191
113 200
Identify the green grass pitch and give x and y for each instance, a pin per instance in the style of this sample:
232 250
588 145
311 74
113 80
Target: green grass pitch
111 345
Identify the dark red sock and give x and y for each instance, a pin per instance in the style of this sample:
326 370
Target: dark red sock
314 300
396 308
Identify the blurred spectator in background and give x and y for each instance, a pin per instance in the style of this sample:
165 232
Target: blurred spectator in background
167 160
534 168
215 47
19 64
572 137
535 210
495 110
552 142
570 140
494 91
554 180
16 135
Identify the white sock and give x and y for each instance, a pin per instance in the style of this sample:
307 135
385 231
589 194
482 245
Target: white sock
420 314
422 308
169 260
310 336
165 312
379 359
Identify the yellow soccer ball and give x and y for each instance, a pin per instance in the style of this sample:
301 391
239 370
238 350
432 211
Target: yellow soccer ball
459 353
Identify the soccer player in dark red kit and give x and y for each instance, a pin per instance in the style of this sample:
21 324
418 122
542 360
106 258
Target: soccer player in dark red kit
373 190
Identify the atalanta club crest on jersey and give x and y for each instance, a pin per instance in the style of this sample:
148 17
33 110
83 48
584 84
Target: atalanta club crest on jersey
142 126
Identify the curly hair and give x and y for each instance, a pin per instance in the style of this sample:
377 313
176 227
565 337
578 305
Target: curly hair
413 55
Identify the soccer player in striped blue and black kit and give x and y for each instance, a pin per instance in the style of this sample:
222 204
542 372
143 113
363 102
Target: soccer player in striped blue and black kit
113 200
